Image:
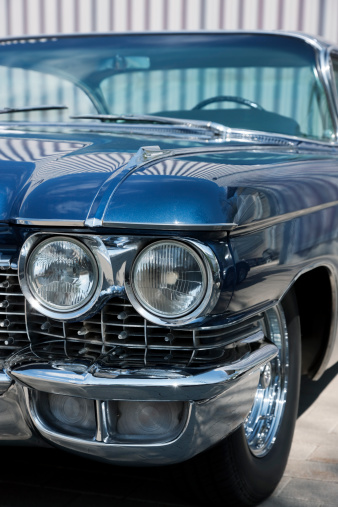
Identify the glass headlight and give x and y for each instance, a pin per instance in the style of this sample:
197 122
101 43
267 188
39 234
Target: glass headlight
169 279
62 274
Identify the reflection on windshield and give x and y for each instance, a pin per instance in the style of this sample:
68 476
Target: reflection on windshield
257 82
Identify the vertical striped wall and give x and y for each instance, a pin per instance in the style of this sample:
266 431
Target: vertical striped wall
21 17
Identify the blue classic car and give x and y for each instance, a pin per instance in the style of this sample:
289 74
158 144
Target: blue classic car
168 247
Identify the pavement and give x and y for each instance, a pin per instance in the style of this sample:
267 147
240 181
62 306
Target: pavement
311 475
37 477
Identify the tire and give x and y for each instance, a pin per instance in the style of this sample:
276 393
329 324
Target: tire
245 468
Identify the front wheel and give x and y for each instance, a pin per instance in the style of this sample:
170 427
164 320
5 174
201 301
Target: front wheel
245 468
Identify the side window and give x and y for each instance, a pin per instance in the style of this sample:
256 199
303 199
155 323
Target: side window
334 59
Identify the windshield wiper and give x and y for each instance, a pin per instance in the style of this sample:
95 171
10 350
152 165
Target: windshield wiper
216 128
7 110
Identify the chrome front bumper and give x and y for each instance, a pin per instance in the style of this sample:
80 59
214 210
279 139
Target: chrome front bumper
218 402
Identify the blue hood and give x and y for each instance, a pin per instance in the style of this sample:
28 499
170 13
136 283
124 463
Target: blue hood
71 180
53 180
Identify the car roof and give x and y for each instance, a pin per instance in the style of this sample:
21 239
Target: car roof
314 40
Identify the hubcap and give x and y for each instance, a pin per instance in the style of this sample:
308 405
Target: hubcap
263 422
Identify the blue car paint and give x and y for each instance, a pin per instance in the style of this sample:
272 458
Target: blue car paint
64 185
275 196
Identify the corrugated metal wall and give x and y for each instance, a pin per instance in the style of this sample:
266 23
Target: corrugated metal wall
19 17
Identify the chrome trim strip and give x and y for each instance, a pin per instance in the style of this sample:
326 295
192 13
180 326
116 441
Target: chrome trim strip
5 260
230 226
171 227
273 140
99 205
95 222
328 76
202 386
102 430
202 133
215 128
254 312
269 222
49 223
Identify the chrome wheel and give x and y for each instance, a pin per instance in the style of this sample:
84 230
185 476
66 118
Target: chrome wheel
245 468
263 422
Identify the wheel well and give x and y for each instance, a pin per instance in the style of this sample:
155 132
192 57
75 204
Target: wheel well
314 298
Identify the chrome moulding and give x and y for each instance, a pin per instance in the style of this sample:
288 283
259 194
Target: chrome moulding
96 383
226 411
223 395
118 356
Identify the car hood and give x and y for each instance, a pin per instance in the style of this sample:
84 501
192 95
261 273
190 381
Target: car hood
101 183
53 179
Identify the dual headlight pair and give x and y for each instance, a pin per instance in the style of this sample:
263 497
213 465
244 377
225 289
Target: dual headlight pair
169 279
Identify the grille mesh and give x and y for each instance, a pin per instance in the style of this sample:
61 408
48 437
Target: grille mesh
117 336
13 335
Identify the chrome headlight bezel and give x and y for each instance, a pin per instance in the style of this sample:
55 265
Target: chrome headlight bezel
99 254
211 291
75 244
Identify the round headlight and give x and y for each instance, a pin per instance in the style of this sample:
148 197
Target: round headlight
169 279
62 274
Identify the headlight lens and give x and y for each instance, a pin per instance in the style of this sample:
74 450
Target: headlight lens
62 274
169 279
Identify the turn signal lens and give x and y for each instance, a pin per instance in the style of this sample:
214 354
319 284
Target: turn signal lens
62 274
149 419
169 279
77 412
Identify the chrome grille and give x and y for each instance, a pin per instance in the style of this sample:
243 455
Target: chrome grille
117 336
13 335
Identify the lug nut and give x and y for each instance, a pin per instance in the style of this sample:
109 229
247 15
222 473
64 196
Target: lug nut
266 375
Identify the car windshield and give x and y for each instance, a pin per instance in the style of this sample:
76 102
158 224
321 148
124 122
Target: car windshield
247 81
